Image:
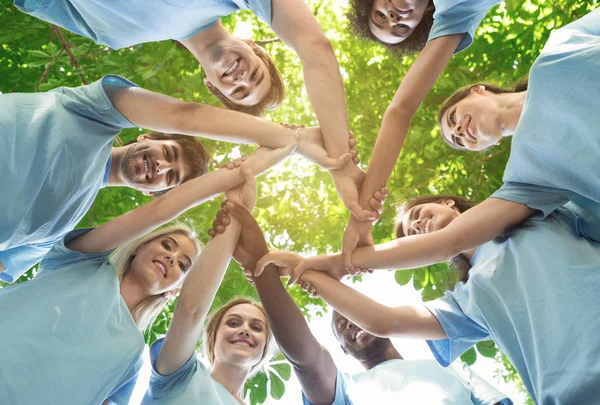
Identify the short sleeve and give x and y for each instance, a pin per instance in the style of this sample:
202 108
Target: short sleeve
341 394
544 199
461 330
92 102
60 256
163 385
122 396
19 259
262 8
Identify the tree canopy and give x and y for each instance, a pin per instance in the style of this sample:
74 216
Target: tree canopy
298 207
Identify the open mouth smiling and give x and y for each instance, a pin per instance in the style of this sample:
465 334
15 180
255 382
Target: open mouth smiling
161 267
241 342
232 68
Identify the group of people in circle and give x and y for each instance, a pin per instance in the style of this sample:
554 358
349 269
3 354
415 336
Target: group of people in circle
526 255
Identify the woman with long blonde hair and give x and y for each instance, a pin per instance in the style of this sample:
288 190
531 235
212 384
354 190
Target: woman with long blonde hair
74 332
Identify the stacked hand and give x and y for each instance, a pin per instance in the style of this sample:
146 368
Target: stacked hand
310 145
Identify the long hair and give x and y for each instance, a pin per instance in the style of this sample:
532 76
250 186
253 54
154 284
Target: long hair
465 91
147 310
212 326
271 100
360 14
460 261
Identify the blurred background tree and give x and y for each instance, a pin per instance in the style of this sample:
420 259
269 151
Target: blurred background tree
298 207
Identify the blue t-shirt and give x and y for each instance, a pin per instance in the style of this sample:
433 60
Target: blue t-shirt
536 296
120 24
67 335
401 381
459 17
56 154
191 384
555 152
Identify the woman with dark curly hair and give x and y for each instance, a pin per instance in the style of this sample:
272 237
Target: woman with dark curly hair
440 28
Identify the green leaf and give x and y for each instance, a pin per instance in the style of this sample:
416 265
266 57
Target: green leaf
487 348
283 369
258 388
277 386
403 277
469 357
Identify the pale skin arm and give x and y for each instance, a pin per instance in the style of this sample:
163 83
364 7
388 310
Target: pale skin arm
413 89
298 28
158 112
148 217
406 321
474 227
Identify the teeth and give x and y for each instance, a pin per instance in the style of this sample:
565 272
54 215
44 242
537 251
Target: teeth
146 166
162 268
232 67
241 343
359 334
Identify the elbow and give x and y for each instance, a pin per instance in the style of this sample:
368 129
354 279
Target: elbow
400 111
316 48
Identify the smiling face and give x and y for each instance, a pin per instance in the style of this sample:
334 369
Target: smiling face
154 165
161 264
237 72
358 343
241 336
475 122
392 21
430 217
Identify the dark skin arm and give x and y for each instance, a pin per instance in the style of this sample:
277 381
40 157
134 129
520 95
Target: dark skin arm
312 363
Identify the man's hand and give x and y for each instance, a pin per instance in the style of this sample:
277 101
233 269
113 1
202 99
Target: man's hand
310 145
358 234
348 181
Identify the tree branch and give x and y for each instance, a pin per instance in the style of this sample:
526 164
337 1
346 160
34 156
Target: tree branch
66 45
47 70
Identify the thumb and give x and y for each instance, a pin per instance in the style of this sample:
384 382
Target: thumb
297 273
359 213
347 249
248 176
263 262
330 163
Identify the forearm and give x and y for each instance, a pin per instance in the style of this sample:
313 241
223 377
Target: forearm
197 294
158 112
326 93
287 323
413 89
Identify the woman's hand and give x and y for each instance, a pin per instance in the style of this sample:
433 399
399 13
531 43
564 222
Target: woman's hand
244 194
358 233
310 145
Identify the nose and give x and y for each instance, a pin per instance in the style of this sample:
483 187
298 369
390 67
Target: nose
416 225
241 78
162 166
244 332
170 259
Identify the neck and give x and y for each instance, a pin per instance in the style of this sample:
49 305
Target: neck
512 107
116 178
132 292
230 376
390 353
200 44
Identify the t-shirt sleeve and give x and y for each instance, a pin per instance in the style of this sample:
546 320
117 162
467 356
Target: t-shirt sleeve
461 330
19 259
341 394
162 385
262 8
92 103
60 256
123 395
462 18
544 199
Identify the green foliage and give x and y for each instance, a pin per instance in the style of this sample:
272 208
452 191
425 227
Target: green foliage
298 207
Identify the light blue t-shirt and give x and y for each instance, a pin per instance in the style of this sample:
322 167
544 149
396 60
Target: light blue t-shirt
120 24
191 384
555 152
536 296
459 17
405 381
56 155
67 336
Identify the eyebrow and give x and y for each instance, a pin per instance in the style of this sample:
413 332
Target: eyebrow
177 245
240 318
175 153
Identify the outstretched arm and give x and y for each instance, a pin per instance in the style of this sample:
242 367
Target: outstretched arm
406 321
162 113
474 227
146 218
312 363
201 285
413 89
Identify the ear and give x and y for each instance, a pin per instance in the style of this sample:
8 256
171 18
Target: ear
448 202
477 89
143 137
208 84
